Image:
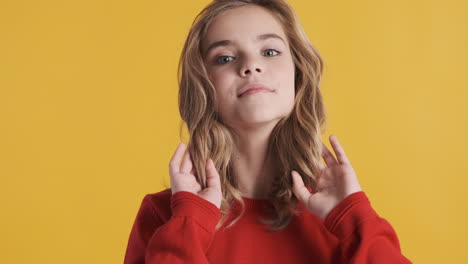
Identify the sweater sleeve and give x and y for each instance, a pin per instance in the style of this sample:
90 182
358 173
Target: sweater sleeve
365 238
184 238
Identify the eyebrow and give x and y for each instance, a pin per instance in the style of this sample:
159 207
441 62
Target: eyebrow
226 42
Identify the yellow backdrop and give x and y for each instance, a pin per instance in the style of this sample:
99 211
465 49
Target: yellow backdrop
89 117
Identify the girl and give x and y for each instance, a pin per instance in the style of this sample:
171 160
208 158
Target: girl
251 187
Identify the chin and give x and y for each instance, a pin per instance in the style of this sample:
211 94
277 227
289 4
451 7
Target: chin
260 121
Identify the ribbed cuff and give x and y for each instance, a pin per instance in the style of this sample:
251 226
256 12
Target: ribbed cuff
185 203
349 214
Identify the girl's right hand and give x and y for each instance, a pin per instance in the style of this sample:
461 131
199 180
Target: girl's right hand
183 178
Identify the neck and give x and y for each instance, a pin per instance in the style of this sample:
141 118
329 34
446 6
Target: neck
252 167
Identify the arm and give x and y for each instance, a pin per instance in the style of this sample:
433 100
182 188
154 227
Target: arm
184 238
364 236
345 209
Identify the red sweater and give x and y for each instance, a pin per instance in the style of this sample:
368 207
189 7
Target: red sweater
180 228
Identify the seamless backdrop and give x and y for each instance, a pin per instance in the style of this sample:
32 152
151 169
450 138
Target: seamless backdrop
89 117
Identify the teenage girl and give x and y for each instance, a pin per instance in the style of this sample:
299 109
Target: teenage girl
251 187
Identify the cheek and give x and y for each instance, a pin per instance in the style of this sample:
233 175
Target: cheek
223 79
286 80
286 75
217 77
218 81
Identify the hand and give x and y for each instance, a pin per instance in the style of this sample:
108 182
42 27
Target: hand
334 183
184 178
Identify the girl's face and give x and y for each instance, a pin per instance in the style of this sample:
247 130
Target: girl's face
244 47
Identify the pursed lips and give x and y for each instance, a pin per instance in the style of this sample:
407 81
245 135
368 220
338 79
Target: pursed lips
254 88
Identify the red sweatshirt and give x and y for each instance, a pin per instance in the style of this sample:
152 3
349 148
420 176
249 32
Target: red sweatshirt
180 228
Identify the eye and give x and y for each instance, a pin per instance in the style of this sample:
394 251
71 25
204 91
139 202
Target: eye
270 52
223 59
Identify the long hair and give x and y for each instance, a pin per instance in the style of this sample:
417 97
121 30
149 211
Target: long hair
295 142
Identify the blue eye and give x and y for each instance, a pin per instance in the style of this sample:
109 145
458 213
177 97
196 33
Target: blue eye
270 52
223 59
226 59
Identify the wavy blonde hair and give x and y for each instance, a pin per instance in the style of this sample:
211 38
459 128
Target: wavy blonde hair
295 142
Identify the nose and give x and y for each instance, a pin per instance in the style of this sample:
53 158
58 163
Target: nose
250 66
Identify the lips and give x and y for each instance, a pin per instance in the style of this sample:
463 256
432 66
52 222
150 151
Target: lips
251 87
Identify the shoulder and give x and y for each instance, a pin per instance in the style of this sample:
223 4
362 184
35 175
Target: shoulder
160 202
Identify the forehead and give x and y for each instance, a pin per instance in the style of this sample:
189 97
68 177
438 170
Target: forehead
242 24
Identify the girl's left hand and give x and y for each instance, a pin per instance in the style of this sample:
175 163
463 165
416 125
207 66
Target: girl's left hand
335 182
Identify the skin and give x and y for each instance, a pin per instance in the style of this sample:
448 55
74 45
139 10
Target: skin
252 118
247 60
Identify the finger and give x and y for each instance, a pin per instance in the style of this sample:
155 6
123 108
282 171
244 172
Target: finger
212 175
340 154
321 165
175 160
328 156
186 165
299 188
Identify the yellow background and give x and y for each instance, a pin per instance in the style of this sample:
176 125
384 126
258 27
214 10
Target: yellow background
89 117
